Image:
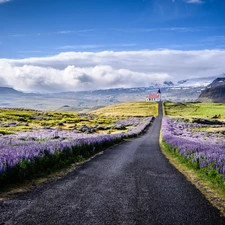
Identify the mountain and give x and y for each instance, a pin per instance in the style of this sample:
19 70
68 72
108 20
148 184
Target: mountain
84 101
213 94
217 82
8 90
168 83
196 82
182 81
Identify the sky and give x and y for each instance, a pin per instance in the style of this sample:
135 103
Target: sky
74 45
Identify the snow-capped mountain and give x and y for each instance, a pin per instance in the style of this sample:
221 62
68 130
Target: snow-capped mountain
168 83
217 82
184 90
197 82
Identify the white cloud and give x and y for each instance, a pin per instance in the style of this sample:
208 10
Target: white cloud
177 29
78 32
79 46
75 71
65 32
4 1
194 1
74 47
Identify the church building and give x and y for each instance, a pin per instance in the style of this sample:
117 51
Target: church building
154 97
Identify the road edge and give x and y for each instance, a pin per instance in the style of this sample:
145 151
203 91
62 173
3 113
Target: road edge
210 194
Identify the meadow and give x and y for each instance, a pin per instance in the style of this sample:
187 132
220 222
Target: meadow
195 109
194 133
129 109
35 143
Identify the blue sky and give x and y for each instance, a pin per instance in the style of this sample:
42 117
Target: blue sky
47 27
152 39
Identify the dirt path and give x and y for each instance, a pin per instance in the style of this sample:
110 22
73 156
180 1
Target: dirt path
132 183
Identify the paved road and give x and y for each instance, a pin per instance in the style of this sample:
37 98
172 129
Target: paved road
132 183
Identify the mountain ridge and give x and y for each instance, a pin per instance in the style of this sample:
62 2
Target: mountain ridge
86 100
9 90
214 92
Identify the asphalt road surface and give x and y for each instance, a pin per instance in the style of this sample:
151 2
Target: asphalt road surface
131 183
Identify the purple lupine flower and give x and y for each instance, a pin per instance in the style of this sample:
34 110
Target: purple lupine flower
29 145
206 148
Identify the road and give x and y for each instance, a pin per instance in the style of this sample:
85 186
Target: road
131 183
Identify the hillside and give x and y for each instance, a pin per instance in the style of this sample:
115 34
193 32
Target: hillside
207 110
217 82
128 109
18 120
213 94
8 90
199 81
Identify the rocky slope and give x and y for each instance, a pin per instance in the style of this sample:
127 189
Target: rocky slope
213 94
217 82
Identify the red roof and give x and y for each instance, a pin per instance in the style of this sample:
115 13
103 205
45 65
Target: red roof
153 96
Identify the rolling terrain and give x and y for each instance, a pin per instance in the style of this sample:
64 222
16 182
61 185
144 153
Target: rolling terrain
131 183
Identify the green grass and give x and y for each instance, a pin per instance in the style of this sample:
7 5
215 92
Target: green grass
129 109
207 180
27 120
207 173
40 167
192 109
50 163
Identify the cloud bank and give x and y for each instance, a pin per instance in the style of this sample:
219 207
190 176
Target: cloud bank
77 71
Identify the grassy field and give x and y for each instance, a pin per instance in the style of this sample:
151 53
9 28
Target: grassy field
13 120
198 110
129 109
125 121
209 181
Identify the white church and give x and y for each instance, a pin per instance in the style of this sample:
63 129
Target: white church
154 97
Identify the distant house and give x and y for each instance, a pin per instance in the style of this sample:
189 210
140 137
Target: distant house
155 97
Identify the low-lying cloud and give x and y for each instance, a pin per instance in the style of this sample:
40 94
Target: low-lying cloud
76 71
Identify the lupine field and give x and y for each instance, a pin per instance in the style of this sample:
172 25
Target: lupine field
23 154
200 140
31 145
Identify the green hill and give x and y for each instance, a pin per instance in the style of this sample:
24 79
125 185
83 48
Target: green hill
129 109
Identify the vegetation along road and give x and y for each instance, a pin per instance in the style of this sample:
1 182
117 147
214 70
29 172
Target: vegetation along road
131 183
